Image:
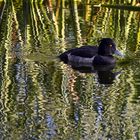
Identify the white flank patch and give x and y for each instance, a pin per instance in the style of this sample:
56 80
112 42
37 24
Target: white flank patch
80 60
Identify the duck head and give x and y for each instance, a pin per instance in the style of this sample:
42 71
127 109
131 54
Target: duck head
108 47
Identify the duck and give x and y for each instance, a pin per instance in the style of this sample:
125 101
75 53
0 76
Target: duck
92 55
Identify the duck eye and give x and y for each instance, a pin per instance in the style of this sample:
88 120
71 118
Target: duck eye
110 45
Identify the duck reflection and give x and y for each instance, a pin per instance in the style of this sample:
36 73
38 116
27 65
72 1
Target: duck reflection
105 73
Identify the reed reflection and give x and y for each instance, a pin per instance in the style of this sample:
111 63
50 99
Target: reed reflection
40 100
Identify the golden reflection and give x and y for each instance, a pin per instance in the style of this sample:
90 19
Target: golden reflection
34 22
87 10
71 86
77 23
16 25
128 25
68 85
6 76
106 21
54 101
63 22
53 18
138 39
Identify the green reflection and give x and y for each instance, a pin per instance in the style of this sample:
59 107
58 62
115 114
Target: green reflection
42 98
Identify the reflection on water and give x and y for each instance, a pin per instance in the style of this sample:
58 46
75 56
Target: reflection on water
42 98
104 73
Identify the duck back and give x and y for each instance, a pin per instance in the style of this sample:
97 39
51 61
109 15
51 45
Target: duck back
84 51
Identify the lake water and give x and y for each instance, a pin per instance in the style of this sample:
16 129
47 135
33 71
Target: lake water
42 98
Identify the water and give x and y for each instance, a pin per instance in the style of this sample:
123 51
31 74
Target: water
42 98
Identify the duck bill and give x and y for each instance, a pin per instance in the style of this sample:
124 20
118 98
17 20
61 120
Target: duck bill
117 52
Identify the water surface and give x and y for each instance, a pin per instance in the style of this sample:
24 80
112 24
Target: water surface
42 98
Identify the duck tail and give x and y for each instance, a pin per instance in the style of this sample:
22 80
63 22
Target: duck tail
63 57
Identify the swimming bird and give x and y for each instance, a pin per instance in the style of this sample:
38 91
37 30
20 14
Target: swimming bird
87 55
